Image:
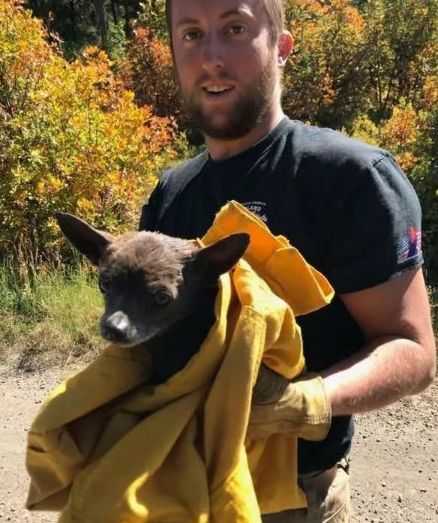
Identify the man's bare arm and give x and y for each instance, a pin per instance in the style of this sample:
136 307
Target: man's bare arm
400 356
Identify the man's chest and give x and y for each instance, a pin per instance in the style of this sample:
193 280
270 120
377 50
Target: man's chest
272 196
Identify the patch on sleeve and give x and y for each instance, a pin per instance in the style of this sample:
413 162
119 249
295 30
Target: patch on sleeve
409 245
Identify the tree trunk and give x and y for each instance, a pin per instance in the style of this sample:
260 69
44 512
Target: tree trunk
127 20
73 16
114 9
99 6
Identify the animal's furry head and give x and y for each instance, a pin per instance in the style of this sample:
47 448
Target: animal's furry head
151 281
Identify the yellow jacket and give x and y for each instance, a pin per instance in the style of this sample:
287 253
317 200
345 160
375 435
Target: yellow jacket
108 448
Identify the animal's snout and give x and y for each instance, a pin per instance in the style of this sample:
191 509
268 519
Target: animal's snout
116 328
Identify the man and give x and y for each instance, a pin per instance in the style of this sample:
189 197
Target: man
345 205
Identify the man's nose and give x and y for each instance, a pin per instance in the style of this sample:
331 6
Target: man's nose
213 53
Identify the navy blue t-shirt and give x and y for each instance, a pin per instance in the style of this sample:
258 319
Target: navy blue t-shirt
345 205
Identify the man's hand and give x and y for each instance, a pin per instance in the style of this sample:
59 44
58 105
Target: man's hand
299 408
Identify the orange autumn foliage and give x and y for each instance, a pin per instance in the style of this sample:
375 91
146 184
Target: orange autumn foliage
71 138
149 72
322 81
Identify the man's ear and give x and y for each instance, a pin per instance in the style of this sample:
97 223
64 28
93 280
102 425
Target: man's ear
220 257
285 47
88 240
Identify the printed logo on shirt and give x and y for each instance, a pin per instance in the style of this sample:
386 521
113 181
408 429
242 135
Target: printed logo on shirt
257 208
409 244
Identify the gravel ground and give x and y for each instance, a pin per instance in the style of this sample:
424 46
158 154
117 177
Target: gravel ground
393 463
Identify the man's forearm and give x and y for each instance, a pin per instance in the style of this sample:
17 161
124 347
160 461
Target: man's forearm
378 375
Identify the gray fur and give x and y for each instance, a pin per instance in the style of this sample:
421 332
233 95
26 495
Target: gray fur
159 291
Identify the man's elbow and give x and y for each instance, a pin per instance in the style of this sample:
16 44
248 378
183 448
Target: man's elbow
427 367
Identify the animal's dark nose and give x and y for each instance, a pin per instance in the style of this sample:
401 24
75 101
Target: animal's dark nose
116 328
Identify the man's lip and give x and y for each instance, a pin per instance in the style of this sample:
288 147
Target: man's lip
226 87
218 96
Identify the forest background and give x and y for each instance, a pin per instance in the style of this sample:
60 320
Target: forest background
90 117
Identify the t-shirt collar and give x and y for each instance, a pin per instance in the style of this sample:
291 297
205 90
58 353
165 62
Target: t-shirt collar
257 148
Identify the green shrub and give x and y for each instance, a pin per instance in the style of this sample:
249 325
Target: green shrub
47 315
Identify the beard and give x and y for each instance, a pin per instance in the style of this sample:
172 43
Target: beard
243 116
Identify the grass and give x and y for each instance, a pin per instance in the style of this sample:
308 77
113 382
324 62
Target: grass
47 315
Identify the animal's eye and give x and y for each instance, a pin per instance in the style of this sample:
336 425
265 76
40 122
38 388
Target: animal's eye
104 283
162 298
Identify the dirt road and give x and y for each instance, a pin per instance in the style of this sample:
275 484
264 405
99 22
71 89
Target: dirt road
394 463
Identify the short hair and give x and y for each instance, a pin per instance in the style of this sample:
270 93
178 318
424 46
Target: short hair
273 8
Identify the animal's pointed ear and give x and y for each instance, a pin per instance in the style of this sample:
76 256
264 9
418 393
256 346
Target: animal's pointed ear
89 241
221 256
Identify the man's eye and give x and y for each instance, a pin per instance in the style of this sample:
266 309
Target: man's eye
189 36
162 298
236 29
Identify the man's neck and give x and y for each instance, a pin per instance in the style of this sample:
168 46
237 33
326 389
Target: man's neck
222 149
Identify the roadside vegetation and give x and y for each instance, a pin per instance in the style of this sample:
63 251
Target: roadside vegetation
90 117
49 315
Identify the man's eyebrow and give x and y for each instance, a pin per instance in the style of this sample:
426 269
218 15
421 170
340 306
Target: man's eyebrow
234 12
231 12
187 21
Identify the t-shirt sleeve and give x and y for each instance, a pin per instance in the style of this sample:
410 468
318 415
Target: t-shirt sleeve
372 226
150 210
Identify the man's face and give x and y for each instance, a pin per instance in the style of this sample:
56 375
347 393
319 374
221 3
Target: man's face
226 64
